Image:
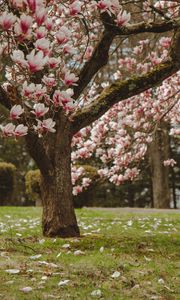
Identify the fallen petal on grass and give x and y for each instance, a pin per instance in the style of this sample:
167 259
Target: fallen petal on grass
63 282
66 246
96 293
35 256
101 249
78 252
116 274
26 289
12 271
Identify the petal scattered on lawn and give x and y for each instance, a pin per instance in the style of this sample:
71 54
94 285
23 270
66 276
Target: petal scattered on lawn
59 254
161 281
78 252
26 289
52 265
41 241
66 246
147 258
129 223
96 293
13 271
136 286
116 274
35 256
101 249
63 282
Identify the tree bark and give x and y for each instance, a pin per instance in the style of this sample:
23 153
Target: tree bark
59 217
58 212
159 151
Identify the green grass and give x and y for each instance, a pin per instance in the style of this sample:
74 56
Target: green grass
143 248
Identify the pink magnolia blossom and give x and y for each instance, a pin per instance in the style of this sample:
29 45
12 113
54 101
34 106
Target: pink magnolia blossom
33 91
34 4
45 126
63 35
103 5
16 111
53 62
63 99
7 20
49 81
18 57
41 15
36 61
49 24
40 32
40 110
123 18
23 26
8 129
68 49
86 182
20 130
40 91
28 90
75 8
77 189
43 45
169 162
70 79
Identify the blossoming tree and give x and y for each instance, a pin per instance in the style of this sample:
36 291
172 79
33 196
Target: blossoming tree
50 51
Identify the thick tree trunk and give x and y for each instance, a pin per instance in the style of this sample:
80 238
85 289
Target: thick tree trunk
53 157
159 151
58 212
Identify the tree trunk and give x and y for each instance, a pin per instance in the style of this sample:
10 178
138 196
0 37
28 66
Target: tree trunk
53 158
58 212
159 151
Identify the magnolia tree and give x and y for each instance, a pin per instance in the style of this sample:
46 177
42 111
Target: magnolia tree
50 52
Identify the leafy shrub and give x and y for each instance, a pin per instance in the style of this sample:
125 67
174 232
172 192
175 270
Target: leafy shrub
7 182
32 181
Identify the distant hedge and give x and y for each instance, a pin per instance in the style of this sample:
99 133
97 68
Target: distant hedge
7 183
32 182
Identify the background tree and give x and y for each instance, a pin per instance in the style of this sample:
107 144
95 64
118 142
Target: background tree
45 49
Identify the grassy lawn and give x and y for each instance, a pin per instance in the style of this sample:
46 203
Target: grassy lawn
119 256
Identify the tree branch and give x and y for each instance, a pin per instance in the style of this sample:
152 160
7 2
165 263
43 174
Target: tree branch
101 53
140 27
37 152
98 60
123 89
143 27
